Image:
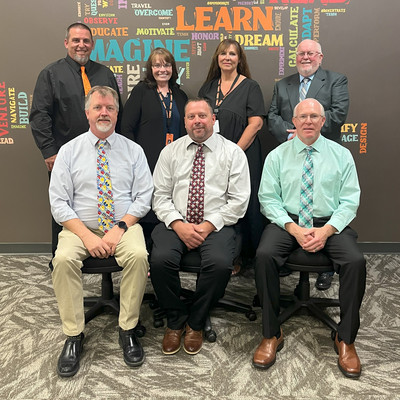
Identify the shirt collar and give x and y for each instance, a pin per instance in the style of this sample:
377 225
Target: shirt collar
93 139
309 77
317 145
210 143
76 66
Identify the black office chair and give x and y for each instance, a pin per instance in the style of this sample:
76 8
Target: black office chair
191 263
108 301
306 263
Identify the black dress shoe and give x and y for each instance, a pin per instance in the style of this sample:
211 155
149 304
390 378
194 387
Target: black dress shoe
324 280
133 350
68 362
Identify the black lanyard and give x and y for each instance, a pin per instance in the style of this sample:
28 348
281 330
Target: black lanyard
218 102
168 112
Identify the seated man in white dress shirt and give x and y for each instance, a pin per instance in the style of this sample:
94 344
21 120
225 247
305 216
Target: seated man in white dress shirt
82 166
208 227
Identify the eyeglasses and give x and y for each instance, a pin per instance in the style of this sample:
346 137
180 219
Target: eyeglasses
304 117
159 66
310 54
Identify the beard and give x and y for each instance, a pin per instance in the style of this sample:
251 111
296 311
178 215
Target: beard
104 127
81 59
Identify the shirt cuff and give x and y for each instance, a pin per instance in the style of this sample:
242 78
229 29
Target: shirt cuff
216 220
64 217
290 136
282 221
173 216
338 225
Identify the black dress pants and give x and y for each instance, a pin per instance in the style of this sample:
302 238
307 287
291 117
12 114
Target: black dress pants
216 253
277 244
253 222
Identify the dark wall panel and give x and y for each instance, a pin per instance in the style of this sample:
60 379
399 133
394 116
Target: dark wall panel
356 38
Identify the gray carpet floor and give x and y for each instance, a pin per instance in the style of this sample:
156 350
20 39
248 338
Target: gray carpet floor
306 368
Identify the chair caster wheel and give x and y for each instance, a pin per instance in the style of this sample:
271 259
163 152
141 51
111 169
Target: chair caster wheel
210 335
256 301
251 316
153 305
158 323
140 330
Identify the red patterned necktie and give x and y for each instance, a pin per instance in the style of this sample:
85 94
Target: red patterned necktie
195 205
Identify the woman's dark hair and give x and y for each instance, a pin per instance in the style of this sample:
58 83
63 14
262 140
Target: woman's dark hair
215 72
166 57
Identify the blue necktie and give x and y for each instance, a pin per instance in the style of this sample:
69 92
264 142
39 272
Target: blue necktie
306 191
303 89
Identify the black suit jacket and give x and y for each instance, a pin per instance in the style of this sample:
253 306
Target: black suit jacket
329 88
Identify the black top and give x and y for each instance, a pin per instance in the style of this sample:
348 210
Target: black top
246 100
171 125
58 107
144 119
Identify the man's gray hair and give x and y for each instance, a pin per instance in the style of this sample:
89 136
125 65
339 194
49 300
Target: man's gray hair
103 91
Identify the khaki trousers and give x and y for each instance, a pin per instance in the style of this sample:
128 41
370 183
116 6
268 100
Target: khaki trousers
131 255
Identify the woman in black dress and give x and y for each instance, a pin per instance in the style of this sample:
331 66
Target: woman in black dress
239 107
153 114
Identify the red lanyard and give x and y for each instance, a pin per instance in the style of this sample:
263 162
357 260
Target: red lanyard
218 102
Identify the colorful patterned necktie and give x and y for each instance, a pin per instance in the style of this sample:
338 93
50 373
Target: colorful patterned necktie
303 89
195 205
105 201
85 80
306 191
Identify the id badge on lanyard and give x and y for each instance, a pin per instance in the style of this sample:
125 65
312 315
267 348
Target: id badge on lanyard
169 138
216 126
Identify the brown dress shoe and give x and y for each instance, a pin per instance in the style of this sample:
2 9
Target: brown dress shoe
348 361
193 341
265 355
172 341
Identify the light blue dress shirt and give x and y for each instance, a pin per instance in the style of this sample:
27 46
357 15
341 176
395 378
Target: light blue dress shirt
73 184
290 135
308 83
336 188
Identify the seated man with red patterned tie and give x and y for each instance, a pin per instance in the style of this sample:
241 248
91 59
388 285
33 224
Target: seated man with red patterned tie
201 189
310 199
100 187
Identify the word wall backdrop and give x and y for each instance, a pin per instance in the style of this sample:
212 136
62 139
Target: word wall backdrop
356 40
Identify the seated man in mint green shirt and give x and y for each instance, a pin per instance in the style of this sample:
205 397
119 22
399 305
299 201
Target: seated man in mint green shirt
309 191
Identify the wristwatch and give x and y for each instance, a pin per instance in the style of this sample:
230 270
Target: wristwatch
122 225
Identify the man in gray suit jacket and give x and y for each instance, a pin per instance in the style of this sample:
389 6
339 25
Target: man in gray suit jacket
311 81
329 88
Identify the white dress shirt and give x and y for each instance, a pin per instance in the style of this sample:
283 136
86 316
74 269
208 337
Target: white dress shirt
227 181
73 183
